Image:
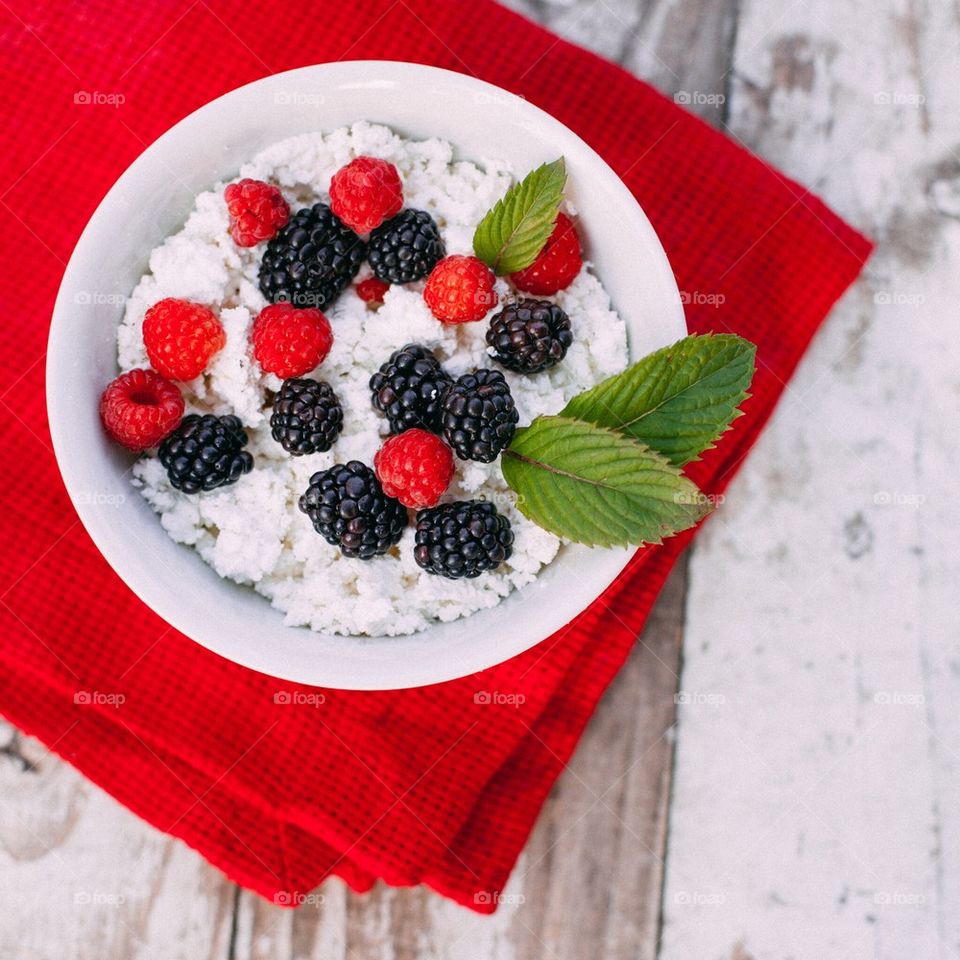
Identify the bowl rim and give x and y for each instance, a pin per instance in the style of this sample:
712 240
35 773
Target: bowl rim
371 674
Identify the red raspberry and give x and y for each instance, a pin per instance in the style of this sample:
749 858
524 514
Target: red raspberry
366 192
460 289
181 337
372 290
140 408
557 264
257 211
289 341
415 467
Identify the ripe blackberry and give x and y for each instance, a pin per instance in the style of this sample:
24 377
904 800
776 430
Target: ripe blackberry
462 539
479 415
529 336
311 260
307 417
405 248
205 452
349 509
409 388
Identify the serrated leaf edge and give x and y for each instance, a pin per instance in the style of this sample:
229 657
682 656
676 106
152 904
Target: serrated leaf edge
502 208
665 529
621 427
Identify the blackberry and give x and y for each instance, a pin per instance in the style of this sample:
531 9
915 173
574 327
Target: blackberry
205 452
311 260
479 415
529 335
307 417
409 387
405 248
463 539
349 509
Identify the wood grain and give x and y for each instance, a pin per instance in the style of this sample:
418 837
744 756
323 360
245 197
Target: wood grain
816 793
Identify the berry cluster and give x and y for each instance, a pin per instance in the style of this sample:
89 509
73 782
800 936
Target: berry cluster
526 335
310 256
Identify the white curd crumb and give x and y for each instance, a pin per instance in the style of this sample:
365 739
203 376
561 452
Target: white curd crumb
252 531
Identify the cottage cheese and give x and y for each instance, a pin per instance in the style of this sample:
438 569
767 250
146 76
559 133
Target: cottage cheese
252 531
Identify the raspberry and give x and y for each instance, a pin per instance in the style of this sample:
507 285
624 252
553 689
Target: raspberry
415 467
557 264
372 290
140 408
181 337
460 289
366 192
257 211
290 342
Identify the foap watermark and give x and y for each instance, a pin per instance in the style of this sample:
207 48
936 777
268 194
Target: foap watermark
98 898
687 898
699 498
697 698
700 298
298 698
898 98
503 498
898 898
304 299
97 98
497 698
292 899
490 897
96 498
484 98
699 98
898 298
298 98
898 698
898 498
97 698
85 298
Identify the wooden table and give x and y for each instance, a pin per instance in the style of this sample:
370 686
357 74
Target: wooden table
774 774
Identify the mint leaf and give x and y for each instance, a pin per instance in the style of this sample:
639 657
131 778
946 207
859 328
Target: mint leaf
596 486
510 236
677 401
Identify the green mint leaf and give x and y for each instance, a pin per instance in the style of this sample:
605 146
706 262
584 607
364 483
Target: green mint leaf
510 236
597 486
677 401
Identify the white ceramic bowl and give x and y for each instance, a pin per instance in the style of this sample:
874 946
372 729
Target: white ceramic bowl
153 198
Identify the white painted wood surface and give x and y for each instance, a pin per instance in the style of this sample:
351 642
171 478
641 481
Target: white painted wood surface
815 805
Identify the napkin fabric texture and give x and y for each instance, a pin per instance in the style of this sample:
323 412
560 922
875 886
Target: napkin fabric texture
414 786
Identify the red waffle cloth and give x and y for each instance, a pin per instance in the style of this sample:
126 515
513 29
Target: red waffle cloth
413 786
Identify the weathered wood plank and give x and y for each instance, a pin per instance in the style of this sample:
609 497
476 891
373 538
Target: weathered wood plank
81 878
816 792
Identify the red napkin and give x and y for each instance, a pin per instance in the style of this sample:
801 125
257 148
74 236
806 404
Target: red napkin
415 786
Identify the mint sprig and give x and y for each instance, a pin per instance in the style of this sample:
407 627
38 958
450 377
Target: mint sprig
596 486
515 230
606 470
678 400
